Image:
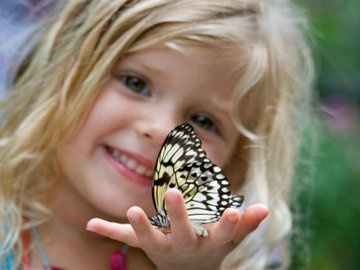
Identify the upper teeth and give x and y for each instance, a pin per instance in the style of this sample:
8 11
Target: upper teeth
130 163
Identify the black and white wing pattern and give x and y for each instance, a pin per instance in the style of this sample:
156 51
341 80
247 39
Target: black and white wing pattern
183 164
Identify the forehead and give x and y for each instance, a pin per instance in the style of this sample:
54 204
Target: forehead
194 62
222 68
201 71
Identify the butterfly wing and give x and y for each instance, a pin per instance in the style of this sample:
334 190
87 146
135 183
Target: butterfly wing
180 147
206 192
183 164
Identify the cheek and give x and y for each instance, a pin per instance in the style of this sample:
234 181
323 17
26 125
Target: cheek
220 152
106 115
217 155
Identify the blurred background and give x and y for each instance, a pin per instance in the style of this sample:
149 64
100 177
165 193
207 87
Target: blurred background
330 203
327 223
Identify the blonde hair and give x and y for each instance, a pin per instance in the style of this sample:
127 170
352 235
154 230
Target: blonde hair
58 82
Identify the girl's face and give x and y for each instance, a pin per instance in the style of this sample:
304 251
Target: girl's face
108 165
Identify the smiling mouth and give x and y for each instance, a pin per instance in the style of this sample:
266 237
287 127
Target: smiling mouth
129 162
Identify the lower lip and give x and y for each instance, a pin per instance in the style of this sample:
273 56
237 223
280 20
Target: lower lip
124 171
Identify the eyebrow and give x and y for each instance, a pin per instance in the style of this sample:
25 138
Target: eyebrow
221 109
139 63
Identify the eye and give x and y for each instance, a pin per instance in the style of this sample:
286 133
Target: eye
136 84
204 122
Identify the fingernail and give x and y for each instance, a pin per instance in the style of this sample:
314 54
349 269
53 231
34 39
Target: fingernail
262 211
232 215
133 217
233 218
172 196
90 225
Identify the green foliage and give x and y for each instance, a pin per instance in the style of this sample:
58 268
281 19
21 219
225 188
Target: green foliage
335 211
336 35
330 205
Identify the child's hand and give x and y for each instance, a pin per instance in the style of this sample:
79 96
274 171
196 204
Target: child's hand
182 248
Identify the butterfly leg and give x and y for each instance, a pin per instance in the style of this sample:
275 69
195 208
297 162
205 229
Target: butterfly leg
199 229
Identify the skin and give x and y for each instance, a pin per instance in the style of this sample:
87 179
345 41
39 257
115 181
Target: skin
147 95
182 248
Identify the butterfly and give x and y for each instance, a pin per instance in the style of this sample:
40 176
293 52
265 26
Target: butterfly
184 165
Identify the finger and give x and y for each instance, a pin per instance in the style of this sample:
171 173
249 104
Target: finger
147 236
224 231
250 220
181 228
117 231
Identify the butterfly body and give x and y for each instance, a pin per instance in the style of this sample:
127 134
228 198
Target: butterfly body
183 164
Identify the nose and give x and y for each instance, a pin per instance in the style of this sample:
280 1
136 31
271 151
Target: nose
155 129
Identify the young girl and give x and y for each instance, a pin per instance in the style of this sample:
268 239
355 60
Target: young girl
92 103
